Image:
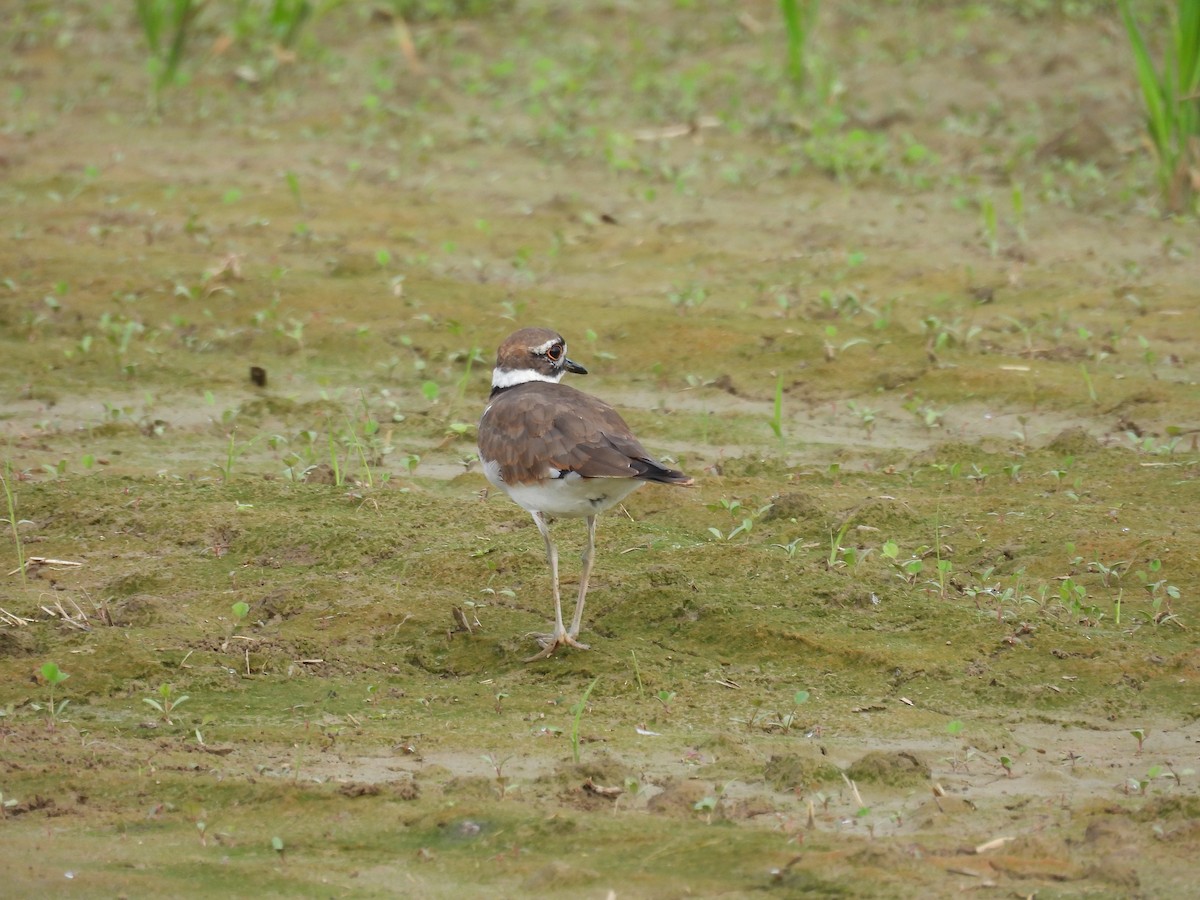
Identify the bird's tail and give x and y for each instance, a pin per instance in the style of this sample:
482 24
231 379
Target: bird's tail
651 470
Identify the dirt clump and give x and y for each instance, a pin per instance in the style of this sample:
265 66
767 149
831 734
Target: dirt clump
679 798
793 771
1073 441
893 768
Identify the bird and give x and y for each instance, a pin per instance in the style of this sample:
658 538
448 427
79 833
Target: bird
559 453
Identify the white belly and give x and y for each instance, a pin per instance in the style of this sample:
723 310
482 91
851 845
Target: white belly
569 496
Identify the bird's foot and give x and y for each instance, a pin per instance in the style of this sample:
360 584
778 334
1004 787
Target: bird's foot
551 642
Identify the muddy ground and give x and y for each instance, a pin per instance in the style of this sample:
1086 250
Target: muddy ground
926 623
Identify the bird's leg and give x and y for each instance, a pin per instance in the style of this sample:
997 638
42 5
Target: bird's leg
589 554
552 558
560 637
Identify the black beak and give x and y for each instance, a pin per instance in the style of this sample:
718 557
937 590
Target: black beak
571 366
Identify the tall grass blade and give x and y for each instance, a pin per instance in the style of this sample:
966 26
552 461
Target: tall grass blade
14 523
1172 98
157 18
776 422
288 18
578 709
798 17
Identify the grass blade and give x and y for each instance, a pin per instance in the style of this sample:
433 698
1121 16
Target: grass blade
1172 98
578 709
798 18
14 523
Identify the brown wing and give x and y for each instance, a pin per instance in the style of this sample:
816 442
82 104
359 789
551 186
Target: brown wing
533 424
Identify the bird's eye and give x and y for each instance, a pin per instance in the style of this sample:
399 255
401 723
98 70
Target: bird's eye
554 354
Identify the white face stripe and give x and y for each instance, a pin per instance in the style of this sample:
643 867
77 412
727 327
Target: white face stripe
506 378
544 348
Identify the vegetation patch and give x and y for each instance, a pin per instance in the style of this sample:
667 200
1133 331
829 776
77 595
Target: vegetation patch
907 288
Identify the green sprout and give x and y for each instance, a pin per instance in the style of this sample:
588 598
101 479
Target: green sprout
54 677
166 702
577 710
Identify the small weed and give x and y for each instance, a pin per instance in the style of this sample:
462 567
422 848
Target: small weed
1058 475
792 546
731 506
470 358
166 702
577 711
687 297
854 557
503 784
1109 574
1161 593
833 561
755 708
1154 773
866 417
13 523
240 611
293 184
53 677
119 332
776 421
499 592
954 729
1149 357
1091 387
943 335
1018 207
787 720
1072 595
831 346
926 414
743 528
907 570
977 476
368 446
989 228
232 451
734 507
944 568
706 805
334 465
1010 596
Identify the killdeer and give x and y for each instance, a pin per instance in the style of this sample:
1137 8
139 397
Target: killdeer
558 452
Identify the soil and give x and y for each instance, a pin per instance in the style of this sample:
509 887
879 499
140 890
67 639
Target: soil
924 625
